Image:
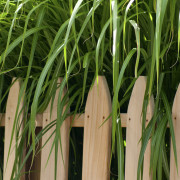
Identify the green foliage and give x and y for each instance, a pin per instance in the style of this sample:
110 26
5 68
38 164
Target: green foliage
41 41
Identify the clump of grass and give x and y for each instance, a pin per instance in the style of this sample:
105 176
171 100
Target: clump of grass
77 40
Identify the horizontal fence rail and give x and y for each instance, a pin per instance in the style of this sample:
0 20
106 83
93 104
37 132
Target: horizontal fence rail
77 122
97 140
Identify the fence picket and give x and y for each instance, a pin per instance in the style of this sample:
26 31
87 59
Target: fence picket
97 140
9 121
176 124
134 131
48 171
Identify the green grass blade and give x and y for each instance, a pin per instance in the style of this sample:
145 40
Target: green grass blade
179 34
169 116
71 21
115 98
137 32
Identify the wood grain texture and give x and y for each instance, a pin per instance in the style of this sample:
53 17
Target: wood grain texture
147 155
47 172
123 119
9 121
78 121
134 131
176 124
97 140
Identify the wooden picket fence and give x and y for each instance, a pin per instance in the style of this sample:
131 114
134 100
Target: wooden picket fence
97 140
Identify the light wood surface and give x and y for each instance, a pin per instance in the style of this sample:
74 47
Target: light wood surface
134 132
78 121
147 155
47 172
9 121
97 140
176 124
123 119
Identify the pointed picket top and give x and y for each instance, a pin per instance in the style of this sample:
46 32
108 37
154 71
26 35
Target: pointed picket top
176 124
47 172
11 106
97 140
134 131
